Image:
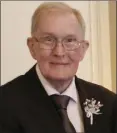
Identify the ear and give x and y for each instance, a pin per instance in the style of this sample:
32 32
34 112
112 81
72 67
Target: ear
83 48
31 46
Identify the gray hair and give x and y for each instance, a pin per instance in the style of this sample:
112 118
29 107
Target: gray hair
52 6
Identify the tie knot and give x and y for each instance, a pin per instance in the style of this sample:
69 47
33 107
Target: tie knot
60 101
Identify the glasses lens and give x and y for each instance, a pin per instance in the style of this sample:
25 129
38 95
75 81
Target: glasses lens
47 42
70 43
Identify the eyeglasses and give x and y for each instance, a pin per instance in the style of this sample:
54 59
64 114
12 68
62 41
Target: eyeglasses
49 42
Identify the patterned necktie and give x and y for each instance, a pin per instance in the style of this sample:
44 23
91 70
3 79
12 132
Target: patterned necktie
61 102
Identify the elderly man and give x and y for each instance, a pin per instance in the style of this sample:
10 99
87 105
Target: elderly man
49 98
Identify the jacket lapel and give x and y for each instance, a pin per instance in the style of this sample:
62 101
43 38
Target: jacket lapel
82 97
45 111
85 92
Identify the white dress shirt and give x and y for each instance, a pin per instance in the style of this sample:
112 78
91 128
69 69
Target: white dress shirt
73 108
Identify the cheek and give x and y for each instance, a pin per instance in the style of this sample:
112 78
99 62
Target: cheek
75 56
42 58
42 55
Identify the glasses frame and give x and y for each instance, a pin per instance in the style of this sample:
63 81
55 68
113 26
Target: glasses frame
61 42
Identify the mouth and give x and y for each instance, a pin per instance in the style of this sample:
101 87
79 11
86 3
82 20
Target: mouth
59 63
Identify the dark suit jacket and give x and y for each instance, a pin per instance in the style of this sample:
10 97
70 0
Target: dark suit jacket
26 108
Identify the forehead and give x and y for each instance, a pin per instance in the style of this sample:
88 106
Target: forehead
59 24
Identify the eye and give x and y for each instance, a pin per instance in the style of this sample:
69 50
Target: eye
48 39
70 40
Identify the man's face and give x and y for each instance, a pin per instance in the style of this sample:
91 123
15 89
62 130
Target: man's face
58 63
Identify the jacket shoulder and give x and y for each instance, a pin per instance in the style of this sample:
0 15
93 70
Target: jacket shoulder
13 82
12 86
96 89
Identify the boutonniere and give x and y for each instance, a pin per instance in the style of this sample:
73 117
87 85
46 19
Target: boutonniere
92 107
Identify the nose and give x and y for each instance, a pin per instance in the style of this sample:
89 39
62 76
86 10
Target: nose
59 49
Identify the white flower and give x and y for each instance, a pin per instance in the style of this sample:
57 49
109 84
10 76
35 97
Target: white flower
92 108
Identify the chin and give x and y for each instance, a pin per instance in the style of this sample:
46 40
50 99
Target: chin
58 73
59 76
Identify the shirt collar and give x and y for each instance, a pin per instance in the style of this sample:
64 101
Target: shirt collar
71 91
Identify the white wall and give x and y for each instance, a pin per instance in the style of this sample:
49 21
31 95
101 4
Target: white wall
15 28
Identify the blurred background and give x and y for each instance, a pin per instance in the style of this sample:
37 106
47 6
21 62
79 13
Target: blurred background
112 22
99 65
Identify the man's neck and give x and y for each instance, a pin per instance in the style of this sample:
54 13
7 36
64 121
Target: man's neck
60 85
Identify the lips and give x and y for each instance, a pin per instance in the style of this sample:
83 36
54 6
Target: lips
59 63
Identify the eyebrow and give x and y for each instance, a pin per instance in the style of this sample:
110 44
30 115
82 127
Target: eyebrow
52 34
47 33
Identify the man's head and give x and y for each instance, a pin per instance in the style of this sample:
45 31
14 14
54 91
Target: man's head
57 41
